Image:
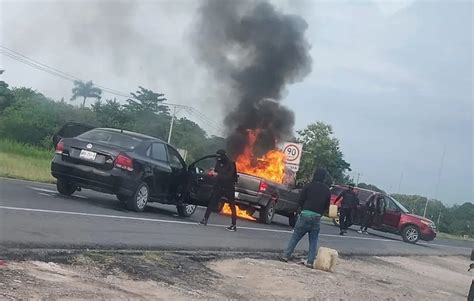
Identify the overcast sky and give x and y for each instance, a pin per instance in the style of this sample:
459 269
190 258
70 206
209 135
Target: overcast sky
394 79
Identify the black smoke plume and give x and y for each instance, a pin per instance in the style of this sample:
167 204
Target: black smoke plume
254 51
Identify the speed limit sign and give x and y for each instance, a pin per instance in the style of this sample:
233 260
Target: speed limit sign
293 152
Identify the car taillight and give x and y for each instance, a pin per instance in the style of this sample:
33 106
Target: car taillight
124 162
263 186
59 147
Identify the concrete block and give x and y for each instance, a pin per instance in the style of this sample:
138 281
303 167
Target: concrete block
326 259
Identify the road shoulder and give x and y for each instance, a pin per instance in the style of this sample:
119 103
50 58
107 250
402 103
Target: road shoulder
219 275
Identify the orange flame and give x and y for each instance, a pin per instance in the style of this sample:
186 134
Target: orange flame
270 166
240 213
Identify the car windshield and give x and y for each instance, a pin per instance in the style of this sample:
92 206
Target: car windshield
111 138
404 210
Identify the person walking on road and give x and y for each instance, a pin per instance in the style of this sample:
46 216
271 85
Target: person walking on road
349 203
369 213
314 201
225 172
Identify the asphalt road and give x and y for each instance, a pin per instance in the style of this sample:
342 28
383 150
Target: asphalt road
33 215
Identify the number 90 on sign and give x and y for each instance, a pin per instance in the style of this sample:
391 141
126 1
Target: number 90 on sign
292 152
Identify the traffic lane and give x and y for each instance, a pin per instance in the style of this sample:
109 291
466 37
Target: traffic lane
46 228
44 196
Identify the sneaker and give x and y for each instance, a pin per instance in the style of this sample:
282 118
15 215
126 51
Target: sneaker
309 265
360 232
341 233
203 223
366 233
231 228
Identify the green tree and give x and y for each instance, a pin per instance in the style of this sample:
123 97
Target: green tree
321 149
147 100
6 96
111 114
85 90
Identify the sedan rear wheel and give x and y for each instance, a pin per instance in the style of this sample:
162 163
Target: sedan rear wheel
65 187
139 199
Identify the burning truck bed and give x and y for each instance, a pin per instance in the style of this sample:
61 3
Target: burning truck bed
268 197
252 194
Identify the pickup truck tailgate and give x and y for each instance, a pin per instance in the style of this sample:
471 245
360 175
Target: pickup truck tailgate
247 184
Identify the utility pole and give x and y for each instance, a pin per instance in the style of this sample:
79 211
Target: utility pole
171 124
426 206
439 216
358 178
414 205
439 179
400 183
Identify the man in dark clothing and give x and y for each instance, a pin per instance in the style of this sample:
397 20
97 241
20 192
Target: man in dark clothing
349 203
224 187
314 201
369 213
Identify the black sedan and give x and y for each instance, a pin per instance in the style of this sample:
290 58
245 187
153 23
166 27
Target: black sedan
135 167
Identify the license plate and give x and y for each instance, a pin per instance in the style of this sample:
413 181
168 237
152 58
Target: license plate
87 155
236 195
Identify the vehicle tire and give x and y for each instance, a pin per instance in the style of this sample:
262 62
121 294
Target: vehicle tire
411 234
122 198
292 219
186 210
267 213
139 199
65 187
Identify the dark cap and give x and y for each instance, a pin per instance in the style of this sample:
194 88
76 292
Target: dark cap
319 175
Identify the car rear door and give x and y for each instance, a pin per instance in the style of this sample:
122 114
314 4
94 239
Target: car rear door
161 169
178 173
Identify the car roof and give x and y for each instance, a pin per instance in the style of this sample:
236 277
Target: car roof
131 134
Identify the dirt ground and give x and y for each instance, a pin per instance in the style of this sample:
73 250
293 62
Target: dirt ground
178 276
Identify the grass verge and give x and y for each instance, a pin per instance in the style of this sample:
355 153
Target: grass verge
26 162
450 236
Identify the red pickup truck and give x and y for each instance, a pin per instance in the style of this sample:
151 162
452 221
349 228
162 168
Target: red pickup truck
390 216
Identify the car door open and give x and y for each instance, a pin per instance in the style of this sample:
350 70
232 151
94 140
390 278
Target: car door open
392 214
200 183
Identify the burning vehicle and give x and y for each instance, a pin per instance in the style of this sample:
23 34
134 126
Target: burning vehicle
263 185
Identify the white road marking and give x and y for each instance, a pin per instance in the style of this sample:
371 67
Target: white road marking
43 189
50 192
45 194
195 224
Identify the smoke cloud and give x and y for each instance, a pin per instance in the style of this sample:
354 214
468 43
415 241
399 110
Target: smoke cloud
254 52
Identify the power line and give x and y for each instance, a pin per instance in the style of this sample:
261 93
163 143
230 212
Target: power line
66 76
